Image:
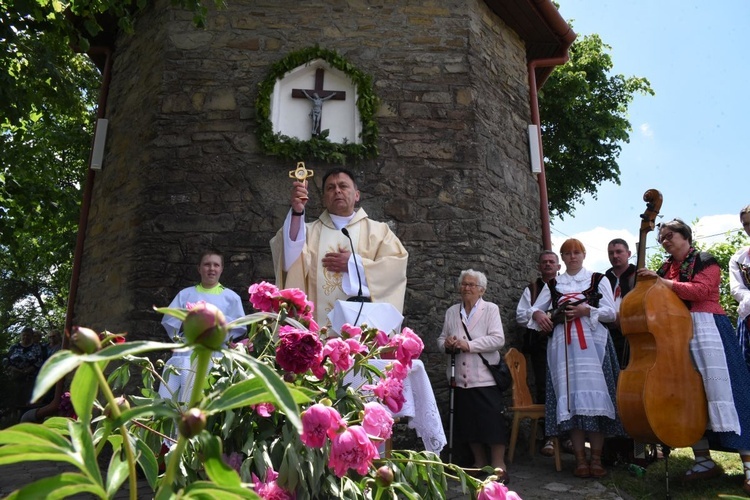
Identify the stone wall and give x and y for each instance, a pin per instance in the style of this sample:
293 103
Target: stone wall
182 169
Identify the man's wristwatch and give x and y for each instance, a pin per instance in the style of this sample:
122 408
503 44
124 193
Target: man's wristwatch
298 214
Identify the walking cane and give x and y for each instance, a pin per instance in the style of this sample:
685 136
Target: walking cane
450 410
567 373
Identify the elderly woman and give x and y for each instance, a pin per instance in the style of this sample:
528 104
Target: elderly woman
583 369
695 277
473 327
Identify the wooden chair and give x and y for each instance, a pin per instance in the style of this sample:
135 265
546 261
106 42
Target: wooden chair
523 406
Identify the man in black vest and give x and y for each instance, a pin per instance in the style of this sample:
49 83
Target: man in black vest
621 277
535 342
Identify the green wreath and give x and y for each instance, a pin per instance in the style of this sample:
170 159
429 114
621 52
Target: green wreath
318 147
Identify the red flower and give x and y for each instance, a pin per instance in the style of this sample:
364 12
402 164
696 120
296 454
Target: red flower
297 350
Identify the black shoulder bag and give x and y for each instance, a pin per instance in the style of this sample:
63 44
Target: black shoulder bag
500 372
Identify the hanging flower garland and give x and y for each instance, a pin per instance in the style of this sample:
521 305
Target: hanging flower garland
318 147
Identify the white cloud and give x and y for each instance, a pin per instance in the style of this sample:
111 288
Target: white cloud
713 228
646 130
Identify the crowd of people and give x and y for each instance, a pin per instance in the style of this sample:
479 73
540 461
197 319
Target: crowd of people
576 346
571 322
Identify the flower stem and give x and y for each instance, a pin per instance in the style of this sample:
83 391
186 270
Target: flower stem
110 397
202 363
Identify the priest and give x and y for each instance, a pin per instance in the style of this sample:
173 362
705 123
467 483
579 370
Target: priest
317 256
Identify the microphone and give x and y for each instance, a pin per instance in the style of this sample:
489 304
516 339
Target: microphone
359 297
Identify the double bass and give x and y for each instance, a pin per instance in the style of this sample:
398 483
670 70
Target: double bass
660 394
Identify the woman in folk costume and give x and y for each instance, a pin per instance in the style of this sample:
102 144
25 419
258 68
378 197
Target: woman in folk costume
739 285
583 369
695 277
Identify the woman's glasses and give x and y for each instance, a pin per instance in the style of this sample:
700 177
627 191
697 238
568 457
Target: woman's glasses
666 237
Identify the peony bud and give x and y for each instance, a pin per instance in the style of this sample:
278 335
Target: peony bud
205 325
84 341
384 476
289 377
121 403
192 423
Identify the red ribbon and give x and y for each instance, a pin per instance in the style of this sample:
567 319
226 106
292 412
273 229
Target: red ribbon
577 322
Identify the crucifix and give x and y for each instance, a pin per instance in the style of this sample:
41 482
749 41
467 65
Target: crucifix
318 96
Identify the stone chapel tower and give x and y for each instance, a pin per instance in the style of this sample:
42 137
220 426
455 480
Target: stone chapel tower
183 168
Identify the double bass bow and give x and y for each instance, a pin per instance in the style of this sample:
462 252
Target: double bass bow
660 394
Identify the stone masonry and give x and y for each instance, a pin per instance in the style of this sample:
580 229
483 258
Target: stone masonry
182 170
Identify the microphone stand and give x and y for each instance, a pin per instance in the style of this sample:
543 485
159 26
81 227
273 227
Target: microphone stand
359 298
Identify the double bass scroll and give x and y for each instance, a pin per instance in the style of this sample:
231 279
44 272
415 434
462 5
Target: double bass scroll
660 395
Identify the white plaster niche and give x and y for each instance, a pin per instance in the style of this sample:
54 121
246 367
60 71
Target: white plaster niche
291 109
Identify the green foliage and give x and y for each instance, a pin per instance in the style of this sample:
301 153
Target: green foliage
222 399
45 135
49 95
318 147
583 109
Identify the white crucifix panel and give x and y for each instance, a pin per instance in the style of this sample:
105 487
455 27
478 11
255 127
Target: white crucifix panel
315 97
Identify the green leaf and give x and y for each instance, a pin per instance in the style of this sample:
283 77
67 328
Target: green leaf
85 388
15 453
118 351
147 461
80 435
55 368
218 471
204 490
118 470
159 408
57 487
34 434
249 392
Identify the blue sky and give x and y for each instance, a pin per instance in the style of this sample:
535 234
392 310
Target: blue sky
690 140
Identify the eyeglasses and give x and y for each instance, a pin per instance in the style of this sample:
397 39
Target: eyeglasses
666 237
469 285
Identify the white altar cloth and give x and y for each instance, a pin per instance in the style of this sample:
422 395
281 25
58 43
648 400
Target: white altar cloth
420 406
380 315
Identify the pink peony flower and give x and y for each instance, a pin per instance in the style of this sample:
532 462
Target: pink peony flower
494 491
263 296
297 350
247 345
390 391
338 352
381 338
269 489
409 346
297 303
377 421
349 331
397 370
351 449
264 409
318 422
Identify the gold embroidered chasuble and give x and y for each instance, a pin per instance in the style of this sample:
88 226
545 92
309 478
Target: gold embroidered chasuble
382 255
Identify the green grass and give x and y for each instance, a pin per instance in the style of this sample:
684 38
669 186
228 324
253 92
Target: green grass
653 483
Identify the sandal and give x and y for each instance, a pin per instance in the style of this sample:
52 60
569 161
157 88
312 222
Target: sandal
703 468
582 469
567 446
502 476
596 469
548 449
